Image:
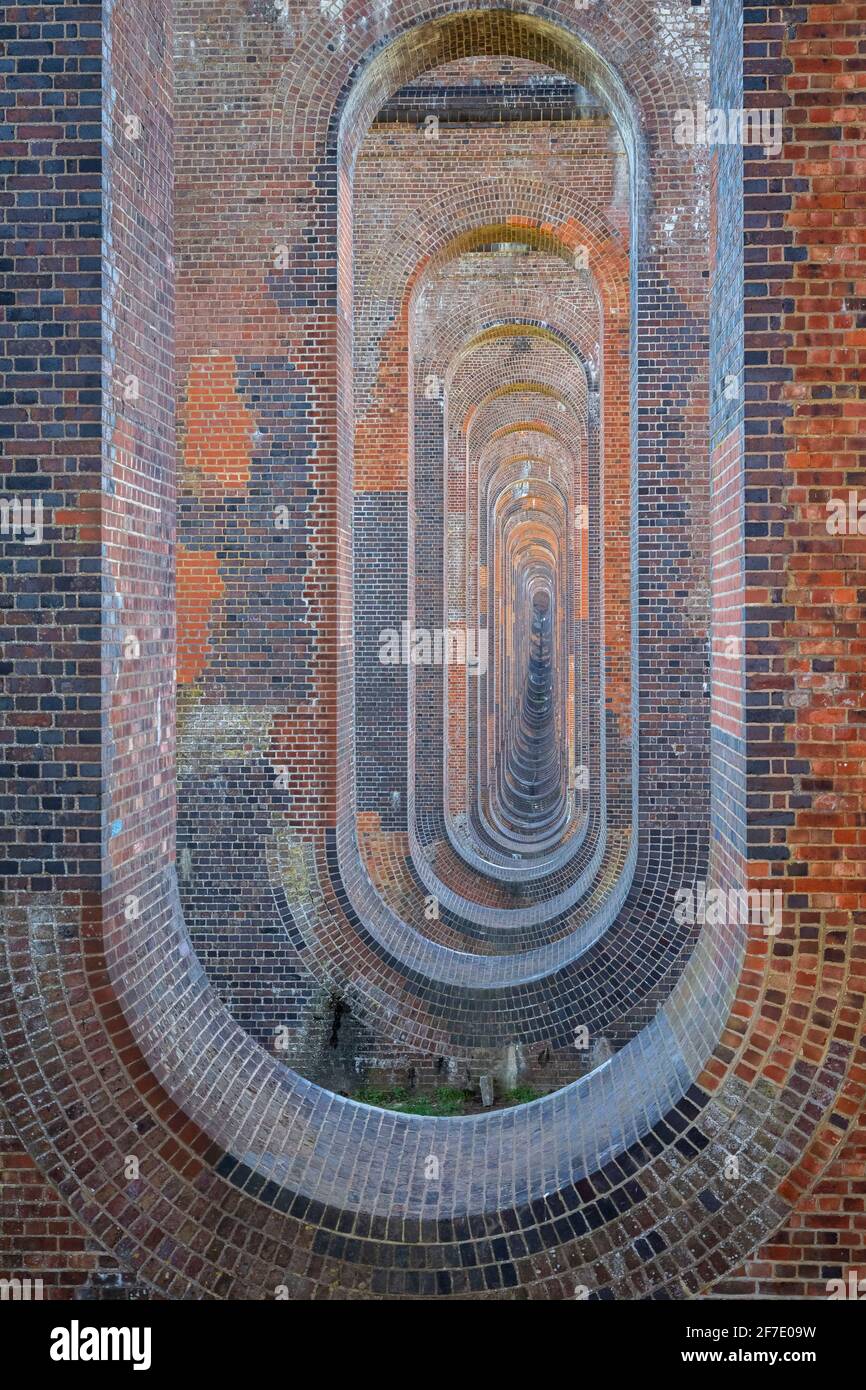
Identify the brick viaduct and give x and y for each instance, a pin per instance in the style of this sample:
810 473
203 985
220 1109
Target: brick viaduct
410 324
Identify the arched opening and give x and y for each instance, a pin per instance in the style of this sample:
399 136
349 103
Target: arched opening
436 791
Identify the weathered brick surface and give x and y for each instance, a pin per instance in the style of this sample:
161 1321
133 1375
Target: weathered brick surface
320 491
50 356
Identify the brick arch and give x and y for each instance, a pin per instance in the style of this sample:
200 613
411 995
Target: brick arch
453 335
484 380
560 221
383 846
388 928
805 1097
496 338
514 327
420 38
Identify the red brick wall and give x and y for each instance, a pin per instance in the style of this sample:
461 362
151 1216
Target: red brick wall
804 620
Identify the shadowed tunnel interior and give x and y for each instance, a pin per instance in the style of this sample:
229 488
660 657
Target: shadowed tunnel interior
479 896
529 777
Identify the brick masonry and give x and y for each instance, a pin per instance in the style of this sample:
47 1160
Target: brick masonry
200 842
